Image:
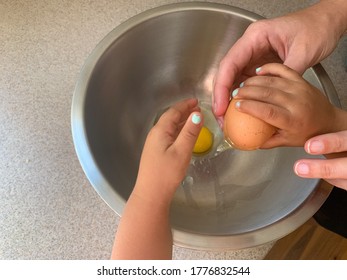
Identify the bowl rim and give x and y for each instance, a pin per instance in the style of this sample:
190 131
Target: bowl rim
182 238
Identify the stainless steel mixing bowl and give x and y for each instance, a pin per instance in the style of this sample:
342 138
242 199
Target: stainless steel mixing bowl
227 201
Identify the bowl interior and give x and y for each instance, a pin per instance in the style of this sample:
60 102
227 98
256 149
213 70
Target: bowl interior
143 67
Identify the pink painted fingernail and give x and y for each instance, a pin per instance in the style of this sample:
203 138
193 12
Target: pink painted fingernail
315 147
302 168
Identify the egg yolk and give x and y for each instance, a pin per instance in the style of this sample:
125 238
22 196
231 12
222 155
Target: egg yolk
204 141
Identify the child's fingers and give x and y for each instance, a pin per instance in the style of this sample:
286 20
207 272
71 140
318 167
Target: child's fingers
178 112
280 70
273 76
275 83
277 116
189 134
172 121
259 92
267 83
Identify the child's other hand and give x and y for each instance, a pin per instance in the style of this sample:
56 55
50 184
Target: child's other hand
281 97
167 152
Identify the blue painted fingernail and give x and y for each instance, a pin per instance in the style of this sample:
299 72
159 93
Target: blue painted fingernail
242 84
258 70
196 119
238 104
235 92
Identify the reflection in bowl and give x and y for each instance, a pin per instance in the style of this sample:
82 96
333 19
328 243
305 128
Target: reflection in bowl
229 200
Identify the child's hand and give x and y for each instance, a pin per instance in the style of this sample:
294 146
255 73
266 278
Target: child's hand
281 97
167 152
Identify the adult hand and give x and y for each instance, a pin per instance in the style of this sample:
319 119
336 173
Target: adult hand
333 169
299 40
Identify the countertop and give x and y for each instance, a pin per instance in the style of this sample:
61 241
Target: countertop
48 209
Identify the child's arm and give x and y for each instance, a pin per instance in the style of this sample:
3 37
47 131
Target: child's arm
144 231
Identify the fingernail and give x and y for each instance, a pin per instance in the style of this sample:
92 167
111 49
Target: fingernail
315 147
235 92
238 104
242 84
258 70
220 122
301 168
214 106
196 119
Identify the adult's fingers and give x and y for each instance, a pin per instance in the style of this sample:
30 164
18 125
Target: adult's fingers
232 65
341 183
296 64
330 169
327 143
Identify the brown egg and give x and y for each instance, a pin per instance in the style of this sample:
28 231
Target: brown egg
244 131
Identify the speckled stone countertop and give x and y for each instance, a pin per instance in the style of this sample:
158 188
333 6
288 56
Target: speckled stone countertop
48 209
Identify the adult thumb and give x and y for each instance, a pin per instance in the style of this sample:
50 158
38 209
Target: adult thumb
189 134
296 64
